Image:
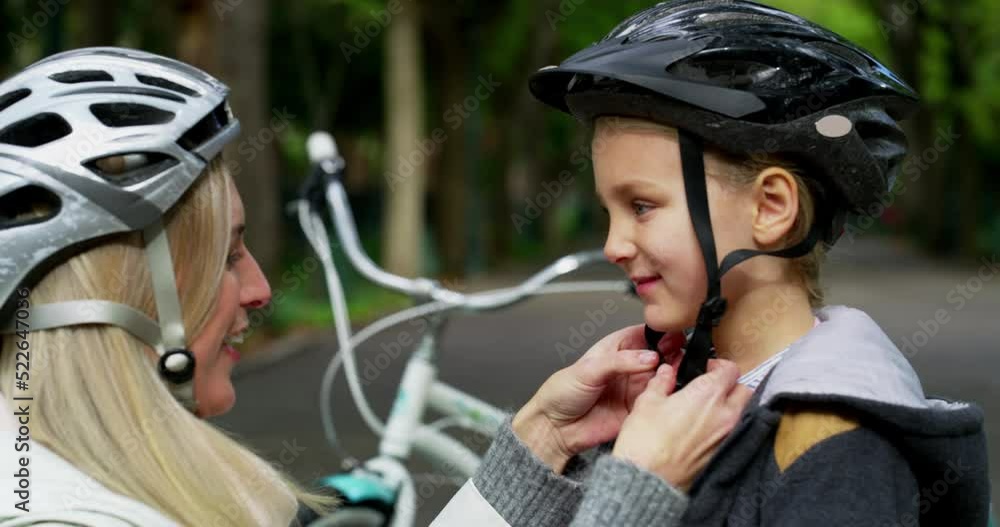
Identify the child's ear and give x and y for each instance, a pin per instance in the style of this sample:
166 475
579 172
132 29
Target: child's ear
775 206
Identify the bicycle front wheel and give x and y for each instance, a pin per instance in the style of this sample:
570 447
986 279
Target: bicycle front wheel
352 517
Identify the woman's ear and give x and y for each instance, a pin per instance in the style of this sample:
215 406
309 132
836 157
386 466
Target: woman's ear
775 206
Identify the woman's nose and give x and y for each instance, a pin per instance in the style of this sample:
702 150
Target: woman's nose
255 292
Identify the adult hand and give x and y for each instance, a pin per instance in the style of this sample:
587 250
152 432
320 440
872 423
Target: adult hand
584 404
674 435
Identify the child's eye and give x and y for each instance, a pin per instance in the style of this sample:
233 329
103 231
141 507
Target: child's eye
640 208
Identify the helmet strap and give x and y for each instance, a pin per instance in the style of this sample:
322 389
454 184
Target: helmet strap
699 348
176 363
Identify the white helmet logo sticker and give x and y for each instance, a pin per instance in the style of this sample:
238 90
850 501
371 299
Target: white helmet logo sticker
834 126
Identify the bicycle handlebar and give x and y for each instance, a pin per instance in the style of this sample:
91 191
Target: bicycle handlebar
329 164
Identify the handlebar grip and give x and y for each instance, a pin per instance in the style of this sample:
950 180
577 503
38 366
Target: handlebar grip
326 166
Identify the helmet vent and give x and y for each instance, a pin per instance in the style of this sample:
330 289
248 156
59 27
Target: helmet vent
165 84
120 114
77 76
36 130
206 128
8 99
730 72
131 168
842 52
26 205
733 18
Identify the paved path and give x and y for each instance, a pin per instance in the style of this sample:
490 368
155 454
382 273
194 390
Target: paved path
504 357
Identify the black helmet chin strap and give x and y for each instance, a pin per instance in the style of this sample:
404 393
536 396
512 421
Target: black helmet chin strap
699 348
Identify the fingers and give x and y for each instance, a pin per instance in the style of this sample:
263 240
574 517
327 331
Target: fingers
600 369
636 385
740 397
632 337
719 380
722 372
662 384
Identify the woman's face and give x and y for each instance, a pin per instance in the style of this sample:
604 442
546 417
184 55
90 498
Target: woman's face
243 287
650 236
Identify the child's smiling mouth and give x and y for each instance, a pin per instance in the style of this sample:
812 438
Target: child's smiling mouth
644 283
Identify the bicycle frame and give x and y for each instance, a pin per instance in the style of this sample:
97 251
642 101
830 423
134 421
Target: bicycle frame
419 387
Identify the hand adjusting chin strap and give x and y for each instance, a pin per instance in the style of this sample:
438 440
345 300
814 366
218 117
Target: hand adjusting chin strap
176 364
699 348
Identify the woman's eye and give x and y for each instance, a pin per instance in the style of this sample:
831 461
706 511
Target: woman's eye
234 257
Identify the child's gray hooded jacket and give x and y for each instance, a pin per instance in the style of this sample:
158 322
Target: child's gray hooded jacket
839 434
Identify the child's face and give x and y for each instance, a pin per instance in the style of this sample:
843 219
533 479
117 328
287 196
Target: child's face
650 235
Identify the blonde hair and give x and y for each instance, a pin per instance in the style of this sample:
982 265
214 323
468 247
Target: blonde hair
100 404
740 172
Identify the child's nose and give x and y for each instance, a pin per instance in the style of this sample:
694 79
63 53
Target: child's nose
618 249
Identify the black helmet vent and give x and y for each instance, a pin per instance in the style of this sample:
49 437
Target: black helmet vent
119 114
36 130
77 76
128 169
26 205
165 84
8 99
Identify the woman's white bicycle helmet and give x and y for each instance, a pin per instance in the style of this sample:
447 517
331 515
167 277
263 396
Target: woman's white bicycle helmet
162 121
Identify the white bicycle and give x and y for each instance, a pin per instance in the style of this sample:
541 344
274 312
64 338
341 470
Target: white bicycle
381 491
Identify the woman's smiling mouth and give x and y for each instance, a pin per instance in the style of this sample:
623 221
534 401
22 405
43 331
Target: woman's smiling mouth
227 346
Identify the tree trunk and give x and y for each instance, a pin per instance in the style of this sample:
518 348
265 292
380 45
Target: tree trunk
451 183
924 203
196 42
405 164
99 23
967 164
522 178
243 62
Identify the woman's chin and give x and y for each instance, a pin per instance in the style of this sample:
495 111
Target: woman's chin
219 400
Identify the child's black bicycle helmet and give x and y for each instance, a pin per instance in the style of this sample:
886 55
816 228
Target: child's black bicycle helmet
749 79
